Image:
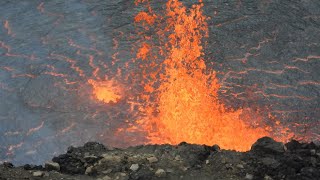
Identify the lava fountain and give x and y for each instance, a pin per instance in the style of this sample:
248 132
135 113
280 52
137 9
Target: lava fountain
180 99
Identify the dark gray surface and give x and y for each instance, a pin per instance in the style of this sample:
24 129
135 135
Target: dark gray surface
267 54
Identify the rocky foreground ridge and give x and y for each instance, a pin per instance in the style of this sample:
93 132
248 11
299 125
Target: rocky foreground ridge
267 160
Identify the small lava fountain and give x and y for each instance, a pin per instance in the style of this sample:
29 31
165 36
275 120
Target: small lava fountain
106 91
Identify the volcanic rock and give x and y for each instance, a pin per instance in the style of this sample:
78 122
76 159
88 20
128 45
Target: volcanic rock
178 158
90 158
106 178
89 147
77 160
89 170
52 166
107 171
134 167
309 172
193 154
215 147
111 158
296 163
270 162
143 173
70 163
32 167
160 173
152 159
240 166
267 145
38 174
122 176
249 176
266 177
8 165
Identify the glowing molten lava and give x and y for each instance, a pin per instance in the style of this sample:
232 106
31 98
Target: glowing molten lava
181 93
106 91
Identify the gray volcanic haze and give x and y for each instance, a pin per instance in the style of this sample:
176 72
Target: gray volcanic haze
266 54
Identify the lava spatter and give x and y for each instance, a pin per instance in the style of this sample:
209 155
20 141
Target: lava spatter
185 104
106 91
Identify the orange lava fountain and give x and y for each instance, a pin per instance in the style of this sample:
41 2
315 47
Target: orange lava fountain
181 94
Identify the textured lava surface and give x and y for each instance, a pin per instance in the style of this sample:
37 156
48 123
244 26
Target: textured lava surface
266 53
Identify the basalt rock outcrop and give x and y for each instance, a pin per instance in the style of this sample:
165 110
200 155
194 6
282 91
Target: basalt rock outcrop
267 159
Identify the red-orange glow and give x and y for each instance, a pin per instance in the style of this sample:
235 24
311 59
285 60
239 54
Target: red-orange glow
182 103
106 91
143 51
144 16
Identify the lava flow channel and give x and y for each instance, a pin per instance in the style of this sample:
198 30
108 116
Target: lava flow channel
180 93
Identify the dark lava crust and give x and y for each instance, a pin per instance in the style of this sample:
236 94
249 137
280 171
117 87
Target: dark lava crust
267 160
